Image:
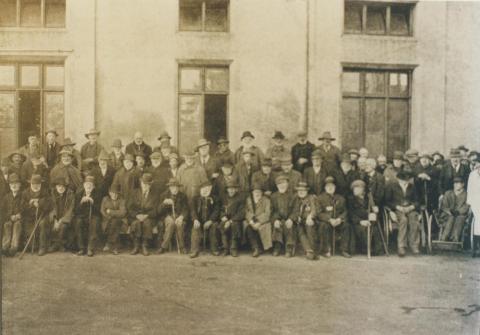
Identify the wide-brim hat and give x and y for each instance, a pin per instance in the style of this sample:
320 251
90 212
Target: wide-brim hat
327 136
92 132
67 142
16 152
59 180
455 153
247 134
202 143
66 152
147 178
222 140
14 179
35 179
173 182
103 156
51 131
278 135
117 143
164 136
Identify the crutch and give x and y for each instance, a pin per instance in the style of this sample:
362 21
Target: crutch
174 222
32 235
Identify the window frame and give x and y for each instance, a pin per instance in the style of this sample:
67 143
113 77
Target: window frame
203 18
43 23
381 4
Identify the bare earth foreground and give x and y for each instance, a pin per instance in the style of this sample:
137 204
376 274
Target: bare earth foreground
171 294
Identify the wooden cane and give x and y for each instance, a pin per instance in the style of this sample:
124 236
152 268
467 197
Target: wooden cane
429 221
369 247
333 228
32 234
174 222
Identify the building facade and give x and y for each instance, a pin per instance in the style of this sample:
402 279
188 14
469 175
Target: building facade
382 74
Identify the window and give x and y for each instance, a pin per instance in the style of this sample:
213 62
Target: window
203 15
31 101
202 103
32 13
393 19
376 109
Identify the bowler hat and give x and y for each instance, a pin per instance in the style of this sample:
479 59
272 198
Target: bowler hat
147 178
266 161
302 185
53 131
164 136
128 157
67 142
281 178
36 179
231 184
173 182
326 136
278 135
17 152
92 131
458 180
357 183
247 133
404 175
156 155
206 183
103 156
59 180
117 143
222 140
14 179
89 179
201 143
329 180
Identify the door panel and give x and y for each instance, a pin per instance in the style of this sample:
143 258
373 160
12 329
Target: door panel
190 115
215 120
375 125
351 125
29 121
397 125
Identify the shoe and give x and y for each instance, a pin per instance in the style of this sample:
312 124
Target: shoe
106 248
41 252
415 252
183 251
288 252
51 249
12 252
256 253
234 252
310 256
115 251
194 254
276 251
81 252
225 252
90 253
401 252
145 250
215 253
160 251
327 254
346 254
135 248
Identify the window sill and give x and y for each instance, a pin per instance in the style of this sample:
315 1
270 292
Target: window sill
372 37
203 33
33 30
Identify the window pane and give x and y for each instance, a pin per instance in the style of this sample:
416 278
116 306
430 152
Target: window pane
7 110
30 76
375 82
54 111
351 82
190 15
54 76
398 84
191 79
30 13
55 13
400 20
190 121
375 125
351 124
216 15
8 13
7 75
216 80
376 20
353 18
397 126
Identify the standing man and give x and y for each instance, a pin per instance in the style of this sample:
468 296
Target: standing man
16 161
191 176
277 150
345 176
103 174
90 150
204 160
375 183
315 175
139 147
247 140
330 153
116 156
67 171
11 216
231 218
223 151
391 171
51 148
451 169
245 169
302 152
165 139
473 199
69 145
227 175
125 179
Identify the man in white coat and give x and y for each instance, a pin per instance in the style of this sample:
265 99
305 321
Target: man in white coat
473 199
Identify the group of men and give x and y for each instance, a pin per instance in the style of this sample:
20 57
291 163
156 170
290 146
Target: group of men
55 197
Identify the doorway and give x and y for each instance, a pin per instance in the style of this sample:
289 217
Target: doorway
29 120
215 118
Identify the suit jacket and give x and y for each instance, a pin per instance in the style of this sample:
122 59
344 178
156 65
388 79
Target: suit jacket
83 210
396 197
315 181
144 149
331 207
256 159
245 175
118 208
227 156
282 205
68 172
63 205
376 186
331 157
205 209
51 154
303 208
449 172
116 162
266 181
103 182
453 204
233 208
10 205
191 177
139 204
90 151
180 203
260 212
345 180
302 151
161 175
275 152
357 209
44 203
127 181
210 167
428 190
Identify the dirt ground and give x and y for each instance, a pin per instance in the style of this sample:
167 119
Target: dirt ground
171 294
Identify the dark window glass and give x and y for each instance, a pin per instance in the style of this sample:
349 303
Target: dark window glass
376 20
55 13
30 13
8 13
190 15
216 15
400 20
353 18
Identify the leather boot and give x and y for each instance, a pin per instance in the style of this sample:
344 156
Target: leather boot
288 251
145 248
136 246
276 249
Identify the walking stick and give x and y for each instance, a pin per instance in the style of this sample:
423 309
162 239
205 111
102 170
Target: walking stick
32 234
174 222
333 228
429 220
369 247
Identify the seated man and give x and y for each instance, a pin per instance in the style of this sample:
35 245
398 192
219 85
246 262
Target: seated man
257 220
332 213
142 211
114 212
11 214
87 216
454 211
36 203
63 201
205 214
401 197
231 218
283 230
173 214
304 215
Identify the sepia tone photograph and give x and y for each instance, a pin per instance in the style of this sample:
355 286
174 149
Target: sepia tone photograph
287 167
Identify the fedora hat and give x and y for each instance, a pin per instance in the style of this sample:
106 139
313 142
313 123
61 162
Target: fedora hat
67 142
117 143
17 152
36 179
164 136
92 131
278 135
222 140
326 136
302 185
201 143
247 133
52 131
173 182
14 179
147 178
455 153
103 156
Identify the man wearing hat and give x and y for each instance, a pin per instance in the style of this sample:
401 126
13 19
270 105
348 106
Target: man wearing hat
451 169
159 173
330 153
411 163
391 171
426 183
68 144
354 155
304 215
245 169
103 174
165 140
205 160
294 177
232 215
463 154
381 164
11 216
473 199
32 146
191 175
142 208
205 214
139 148
332 214
51 148
375 183
283 233
34 165
227 174
345 176
472 157
37 205
257 220
61 216
247 140
453 211
114 214
277 150
165 149
140 164
125 179
89 151
302 152
88 201
264 177
4 172
64 169
16 161
117 155
223 152
401 197
173 213
315 175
